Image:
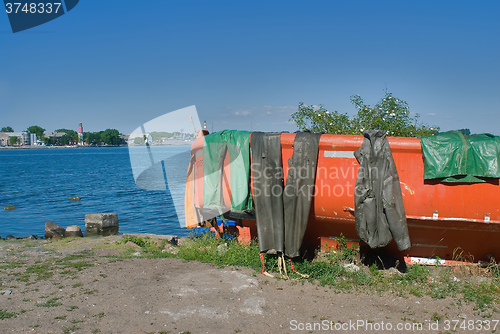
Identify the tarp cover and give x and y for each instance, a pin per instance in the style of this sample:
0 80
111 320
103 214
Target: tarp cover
379 209
215 147
454 157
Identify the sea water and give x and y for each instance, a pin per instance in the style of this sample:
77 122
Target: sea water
39 182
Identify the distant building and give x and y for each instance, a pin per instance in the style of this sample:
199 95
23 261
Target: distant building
4 139
80 134
24 138
56 135
33 139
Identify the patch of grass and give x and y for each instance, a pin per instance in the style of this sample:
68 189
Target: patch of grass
68 330
149 248
66 272
74 321
95 331
220 252
99 315
71 308
53 302
77 285
23 278
61 317
80 265
43 271
482 294
90 292
27 300
72 257
436 317
6 315
12 265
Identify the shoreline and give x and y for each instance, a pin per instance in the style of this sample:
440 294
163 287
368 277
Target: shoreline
75 147
51 147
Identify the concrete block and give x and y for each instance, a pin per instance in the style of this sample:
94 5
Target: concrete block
101 223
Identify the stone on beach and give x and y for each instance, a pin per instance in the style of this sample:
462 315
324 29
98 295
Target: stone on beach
97 223
53 230
73 231
132 244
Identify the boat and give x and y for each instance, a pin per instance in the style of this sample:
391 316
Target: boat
448 221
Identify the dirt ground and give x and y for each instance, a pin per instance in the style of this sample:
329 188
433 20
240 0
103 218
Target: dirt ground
79 288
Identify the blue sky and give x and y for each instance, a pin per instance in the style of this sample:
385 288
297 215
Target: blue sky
247 65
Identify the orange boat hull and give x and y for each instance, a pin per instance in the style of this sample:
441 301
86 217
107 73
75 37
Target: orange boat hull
448 221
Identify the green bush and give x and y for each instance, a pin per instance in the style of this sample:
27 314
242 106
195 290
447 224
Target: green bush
390 114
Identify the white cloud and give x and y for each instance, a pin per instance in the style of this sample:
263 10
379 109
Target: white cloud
279 110
242 113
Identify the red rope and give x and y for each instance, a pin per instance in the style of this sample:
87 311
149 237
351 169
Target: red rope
291 265
263 265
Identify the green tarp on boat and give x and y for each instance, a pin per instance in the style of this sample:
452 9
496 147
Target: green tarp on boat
215 148
455 157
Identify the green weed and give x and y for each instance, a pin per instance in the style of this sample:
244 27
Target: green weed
53 302
6 315
43 271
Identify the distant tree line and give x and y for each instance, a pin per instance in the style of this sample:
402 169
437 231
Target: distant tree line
107 137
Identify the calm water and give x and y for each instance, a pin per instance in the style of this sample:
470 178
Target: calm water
40 181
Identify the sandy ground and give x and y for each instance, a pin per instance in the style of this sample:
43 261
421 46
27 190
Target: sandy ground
141 295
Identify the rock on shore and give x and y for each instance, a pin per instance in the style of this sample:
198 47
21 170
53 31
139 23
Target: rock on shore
73 231
53 230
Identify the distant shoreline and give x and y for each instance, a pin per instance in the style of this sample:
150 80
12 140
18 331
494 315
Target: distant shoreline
75 147
51 147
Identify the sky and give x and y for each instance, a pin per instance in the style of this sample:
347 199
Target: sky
247 64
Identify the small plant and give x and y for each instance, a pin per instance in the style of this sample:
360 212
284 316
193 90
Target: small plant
6 315
436 317
53 302
61 317
68 330
90 292
344 251
41 270
99 315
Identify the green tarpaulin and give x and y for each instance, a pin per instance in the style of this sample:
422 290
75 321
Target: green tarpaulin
215 148
454 157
